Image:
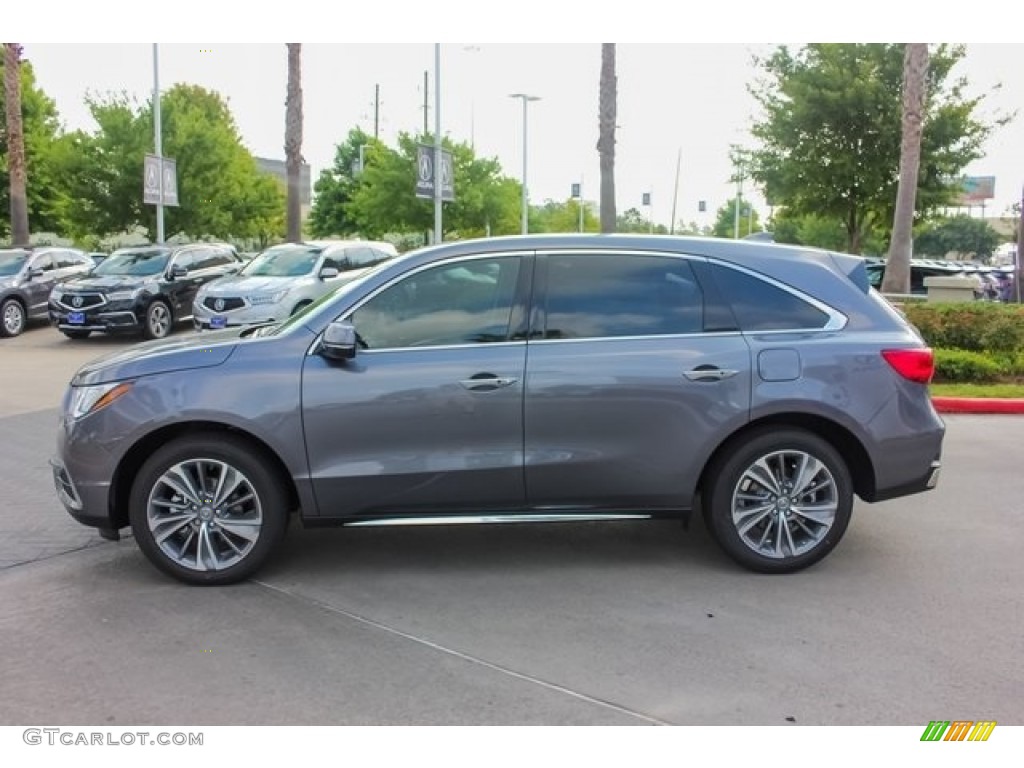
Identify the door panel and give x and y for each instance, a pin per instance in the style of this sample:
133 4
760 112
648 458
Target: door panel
428 416
626 395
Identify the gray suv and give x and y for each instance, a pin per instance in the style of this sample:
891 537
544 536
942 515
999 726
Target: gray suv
544 378
27 275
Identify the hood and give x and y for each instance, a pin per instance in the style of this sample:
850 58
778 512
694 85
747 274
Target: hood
164 356
246 285
9 281
105 283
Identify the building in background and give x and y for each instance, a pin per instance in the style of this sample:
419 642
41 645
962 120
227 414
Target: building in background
277 169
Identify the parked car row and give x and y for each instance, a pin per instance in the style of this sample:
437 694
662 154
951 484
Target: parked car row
989 279
150 289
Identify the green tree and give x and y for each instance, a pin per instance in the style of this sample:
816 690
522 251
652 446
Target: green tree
562 216
725 219
221 191
960 235
830 132
40 130
383 200
335 187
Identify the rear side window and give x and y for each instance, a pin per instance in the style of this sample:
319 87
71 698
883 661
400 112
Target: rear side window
609 295
761 306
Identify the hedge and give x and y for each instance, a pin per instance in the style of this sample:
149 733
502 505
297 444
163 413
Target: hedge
980 326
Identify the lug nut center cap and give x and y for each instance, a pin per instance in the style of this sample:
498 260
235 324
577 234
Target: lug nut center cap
205 513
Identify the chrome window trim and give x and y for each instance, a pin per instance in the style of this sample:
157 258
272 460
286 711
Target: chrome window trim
644 337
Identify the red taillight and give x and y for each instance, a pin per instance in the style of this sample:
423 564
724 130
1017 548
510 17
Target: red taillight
913 364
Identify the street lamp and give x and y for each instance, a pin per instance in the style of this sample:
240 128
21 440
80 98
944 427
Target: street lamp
526 202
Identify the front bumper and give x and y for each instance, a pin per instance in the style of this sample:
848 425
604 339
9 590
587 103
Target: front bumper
205 319
109 321
88 503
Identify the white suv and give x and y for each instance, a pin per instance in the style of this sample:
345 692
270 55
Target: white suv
284 279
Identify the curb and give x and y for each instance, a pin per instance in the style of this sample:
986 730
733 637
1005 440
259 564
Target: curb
1001 405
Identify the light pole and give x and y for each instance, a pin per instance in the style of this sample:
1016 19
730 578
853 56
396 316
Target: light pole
158 145
526 200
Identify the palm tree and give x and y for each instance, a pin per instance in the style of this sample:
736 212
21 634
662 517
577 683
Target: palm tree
606 140
15 144
915 86
293 140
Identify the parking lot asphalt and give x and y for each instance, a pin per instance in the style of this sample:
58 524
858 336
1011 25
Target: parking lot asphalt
915 616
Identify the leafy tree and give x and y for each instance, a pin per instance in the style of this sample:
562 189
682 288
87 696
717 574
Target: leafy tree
831 130
725 219
383 200
556 216
963 235
335 187
40 128
634 221
221 191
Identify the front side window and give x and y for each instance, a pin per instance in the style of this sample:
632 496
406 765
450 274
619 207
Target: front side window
466 302
609 295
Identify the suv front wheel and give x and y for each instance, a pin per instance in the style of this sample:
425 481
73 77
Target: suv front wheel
208 509
780 500
158 321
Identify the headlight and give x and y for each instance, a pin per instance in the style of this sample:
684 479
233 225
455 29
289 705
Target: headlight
268 298
86 400
56 295
124 295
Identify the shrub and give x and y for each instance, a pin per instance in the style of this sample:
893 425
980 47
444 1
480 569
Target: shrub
980 326
958 365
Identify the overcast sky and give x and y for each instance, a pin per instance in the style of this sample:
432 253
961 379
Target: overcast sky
686 97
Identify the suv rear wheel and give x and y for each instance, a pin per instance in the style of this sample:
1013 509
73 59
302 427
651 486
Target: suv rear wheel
780 500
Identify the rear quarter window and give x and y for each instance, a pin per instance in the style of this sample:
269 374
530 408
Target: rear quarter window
761 306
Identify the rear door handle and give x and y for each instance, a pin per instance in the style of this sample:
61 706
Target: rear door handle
710 373
485 382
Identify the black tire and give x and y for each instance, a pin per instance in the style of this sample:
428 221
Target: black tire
301 306
158 322
77 334
784 536
12 318
240 534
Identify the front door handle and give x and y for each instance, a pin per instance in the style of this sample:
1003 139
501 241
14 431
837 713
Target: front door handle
710 373
486 382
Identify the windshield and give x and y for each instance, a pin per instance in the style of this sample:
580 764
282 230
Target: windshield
138 262
282 261
300 317
11 262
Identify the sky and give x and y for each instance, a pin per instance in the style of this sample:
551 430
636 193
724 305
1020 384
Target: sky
684 101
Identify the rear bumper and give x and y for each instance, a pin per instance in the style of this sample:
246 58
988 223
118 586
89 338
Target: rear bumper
926 482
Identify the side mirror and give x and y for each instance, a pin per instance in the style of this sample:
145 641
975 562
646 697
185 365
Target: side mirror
339 341
177 272
328 272
34 273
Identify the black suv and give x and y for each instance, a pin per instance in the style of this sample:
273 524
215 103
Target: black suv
147 288
26 277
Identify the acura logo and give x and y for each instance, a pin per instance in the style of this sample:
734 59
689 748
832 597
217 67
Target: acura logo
218 304
77 301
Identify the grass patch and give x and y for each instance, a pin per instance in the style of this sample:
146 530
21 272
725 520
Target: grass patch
977 390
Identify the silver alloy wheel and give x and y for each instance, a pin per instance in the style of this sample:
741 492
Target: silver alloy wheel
204 514
784 504
14 318
159 319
